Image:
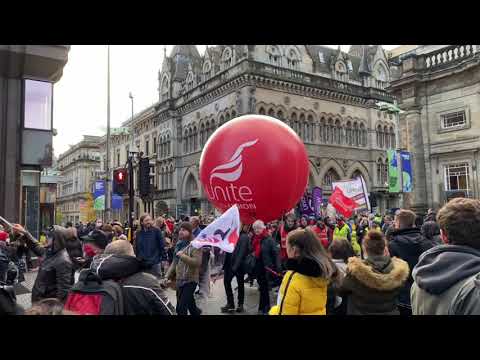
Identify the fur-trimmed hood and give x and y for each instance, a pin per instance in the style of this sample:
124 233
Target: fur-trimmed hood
380 273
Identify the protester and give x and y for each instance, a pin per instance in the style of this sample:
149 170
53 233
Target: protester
373 284
321 231
408 244
142 294
204 275
150 246
118 233
234 267
285 228
304 286
431 232
93 244
108 230
74 247
185 270
342 231
267 262
56 274
447 277
303 222
340 251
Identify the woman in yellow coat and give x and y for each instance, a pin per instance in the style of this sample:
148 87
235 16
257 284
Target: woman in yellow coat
310 270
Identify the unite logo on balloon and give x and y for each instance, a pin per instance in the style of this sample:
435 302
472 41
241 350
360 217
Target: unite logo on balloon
231 194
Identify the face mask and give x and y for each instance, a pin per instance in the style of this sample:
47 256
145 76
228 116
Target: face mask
89 251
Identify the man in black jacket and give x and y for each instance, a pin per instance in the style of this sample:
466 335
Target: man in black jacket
56 274
142 294
233 267
407 243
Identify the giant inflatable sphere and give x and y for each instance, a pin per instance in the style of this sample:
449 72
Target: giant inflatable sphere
256 162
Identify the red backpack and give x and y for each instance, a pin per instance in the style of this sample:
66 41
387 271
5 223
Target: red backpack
93 296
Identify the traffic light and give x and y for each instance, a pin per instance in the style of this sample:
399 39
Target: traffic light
144 177
120 181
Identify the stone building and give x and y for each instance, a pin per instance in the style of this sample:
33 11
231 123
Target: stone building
327 96
27 76
438 87
79 168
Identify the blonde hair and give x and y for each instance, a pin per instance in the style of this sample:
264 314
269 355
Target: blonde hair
120 247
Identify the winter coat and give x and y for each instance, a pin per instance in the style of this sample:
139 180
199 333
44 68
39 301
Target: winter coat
56 274
303 290
186 268
447 281
142 294
235 260
408 245
373 285
269 254
150 246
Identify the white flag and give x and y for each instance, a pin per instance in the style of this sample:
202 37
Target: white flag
222 233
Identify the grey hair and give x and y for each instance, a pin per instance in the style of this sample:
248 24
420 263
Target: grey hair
120 247
259 224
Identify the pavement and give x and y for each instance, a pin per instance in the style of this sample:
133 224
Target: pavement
209 306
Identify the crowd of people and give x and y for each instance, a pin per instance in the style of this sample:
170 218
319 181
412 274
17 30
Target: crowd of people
395 264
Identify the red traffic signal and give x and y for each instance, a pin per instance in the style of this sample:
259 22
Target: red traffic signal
120 184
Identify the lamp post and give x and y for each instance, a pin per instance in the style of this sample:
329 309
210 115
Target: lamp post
107 167
131 192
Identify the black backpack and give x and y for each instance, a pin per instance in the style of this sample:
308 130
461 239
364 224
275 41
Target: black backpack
93 296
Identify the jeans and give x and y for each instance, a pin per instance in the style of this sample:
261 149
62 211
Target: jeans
186 300
227 282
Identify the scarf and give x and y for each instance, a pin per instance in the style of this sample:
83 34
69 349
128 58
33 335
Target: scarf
257 243
181 244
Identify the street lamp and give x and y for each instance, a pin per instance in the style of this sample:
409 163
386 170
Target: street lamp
108 196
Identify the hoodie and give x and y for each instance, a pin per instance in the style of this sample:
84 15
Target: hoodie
408 245
447 281
142 294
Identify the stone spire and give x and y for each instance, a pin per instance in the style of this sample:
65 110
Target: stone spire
364 70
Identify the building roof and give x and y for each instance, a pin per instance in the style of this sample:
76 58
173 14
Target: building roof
329 58
185 50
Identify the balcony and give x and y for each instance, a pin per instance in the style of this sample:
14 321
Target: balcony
447 56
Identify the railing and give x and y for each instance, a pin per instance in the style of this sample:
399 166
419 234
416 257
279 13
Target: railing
448 55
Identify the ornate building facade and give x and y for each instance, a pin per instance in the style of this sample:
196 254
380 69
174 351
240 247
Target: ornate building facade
438 87
327 96
79 168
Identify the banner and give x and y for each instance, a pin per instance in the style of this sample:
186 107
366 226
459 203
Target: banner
222 233
406 171
306 205
343 204
99 195
117 202
356 190
317 201
393 176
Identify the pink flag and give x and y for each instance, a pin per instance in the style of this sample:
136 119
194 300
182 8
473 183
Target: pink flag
222 233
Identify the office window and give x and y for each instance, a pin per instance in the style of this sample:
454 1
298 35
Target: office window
146 147
452 120
38 105
456 177
154 144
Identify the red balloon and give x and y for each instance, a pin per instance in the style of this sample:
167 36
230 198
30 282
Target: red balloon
256 162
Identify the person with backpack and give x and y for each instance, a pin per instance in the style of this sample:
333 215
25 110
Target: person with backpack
125 289
56 274
185 271
310 270
234 266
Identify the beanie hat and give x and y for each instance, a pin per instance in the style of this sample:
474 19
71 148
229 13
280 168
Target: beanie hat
98 238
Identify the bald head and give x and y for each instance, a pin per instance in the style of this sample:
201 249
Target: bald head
120 247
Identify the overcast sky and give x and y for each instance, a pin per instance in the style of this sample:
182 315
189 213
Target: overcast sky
80 97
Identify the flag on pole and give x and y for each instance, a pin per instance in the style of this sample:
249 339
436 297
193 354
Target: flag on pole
222 233
343 204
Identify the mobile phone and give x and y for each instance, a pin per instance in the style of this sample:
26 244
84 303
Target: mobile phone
6 222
